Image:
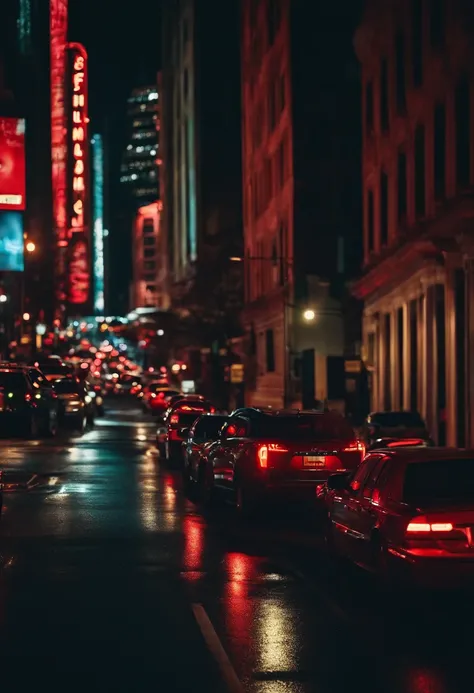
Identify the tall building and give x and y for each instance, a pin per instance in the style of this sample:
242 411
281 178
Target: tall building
200 136
418 192
139 170
148 261
300 171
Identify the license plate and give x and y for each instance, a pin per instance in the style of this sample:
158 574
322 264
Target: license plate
314 461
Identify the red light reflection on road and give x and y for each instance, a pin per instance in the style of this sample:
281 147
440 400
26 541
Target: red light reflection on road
169 492
238 607
193 543
426 681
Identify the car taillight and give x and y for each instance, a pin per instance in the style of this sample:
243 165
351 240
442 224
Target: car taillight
355 446
263 451
153 395
420 526
212 410
174 419
403 443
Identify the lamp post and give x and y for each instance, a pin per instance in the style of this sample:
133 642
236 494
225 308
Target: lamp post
308 315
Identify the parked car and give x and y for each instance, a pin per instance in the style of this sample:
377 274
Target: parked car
27 402
76 404
406 513
395 425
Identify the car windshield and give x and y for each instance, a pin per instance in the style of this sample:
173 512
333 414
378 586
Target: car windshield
66 387
318 427
392 419
12 381
188 419
439 482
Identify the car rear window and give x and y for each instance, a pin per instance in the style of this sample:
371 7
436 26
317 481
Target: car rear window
439 482
66 387
209 425
13 381
393 419
188 419
317 427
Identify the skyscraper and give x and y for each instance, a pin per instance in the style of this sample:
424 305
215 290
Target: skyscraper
139 170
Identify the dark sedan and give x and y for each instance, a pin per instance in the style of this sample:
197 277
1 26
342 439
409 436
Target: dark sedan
201 436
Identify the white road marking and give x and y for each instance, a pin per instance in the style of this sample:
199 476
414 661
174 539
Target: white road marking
217 649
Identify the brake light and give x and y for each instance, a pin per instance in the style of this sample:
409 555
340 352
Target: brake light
422 527
28 397
263 451
212 410
355 446
405 443
153 395
263 456
174 419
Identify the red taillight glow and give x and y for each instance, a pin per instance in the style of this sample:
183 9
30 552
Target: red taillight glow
174 419
419 527
28 397
263 451
355 446
212 410
405 443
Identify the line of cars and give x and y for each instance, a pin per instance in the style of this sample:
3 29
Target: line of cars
390 501
36 399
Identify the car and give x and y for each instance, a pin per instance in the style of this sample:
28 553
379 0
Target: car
278 456
175 427
76 405
27 403
201 435
156 398
407 514
395 425
53 368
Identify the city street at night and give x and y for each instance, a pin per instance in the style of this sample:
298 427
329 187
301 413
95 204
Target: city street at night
112 580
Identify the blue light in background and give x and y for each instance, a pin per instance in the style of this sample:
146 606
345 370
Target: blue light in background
98 221
11 242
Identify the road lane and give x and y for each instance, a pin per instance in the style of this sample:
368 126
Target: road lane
105 561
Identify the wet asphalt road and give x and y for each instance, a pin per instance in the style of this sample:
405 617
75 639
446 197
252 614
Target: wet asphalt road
112 581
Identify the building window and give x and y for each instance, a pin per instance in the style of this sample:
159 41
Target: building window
148 226
370 222
440 151
149 266
400 72
420 171
417 42
462 119
369 108
384 95
270 351
151 288
149 253
149 241
383 208
402 186
282 250
437 23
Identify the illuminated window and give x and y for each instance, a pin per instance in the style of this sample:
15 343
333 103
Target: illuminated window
383 208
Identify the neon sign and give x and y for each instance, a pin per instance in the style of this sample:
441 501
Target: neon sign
58 15
98 218
78 209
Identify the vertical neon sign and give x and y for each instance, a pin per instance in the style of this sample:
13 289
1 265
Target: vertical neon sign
79 274
58 13
98 221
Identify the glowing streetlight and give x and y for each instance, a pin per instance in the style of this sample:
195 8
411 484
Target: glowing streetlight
3 298
309 315
30 247
160 333
26 317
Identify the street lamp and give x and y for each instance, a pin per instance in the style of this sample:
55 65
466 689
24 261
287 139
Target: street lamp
3 298
26 317
30 247
309 315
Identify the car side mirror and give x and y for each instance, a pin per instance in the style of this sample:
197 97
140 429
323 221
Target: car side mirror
339 482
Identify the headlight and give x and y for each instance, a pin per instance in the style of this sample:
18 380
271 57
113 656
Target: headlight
88 399
99 401
92 394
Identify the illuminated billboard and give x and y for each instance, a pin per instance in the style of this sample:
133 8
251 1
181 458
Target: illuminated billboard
58 16
11 242
79 281
98 221
12 163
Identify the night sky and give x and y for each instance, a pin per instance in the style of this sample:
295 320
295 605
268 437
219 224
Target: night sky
123 40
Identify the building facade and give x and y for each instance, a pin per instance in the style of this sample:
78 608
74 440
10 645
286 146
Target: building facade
147 289
139 170
418 177
298 184
200 132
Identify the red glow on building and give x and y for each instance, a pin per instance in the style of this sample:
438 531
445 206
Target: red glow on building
12 163
79 265
58 15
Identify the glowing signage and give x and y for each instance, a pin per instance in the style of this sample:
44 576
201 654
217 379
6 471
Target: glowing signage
79 275
98 221
58 15
12 163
